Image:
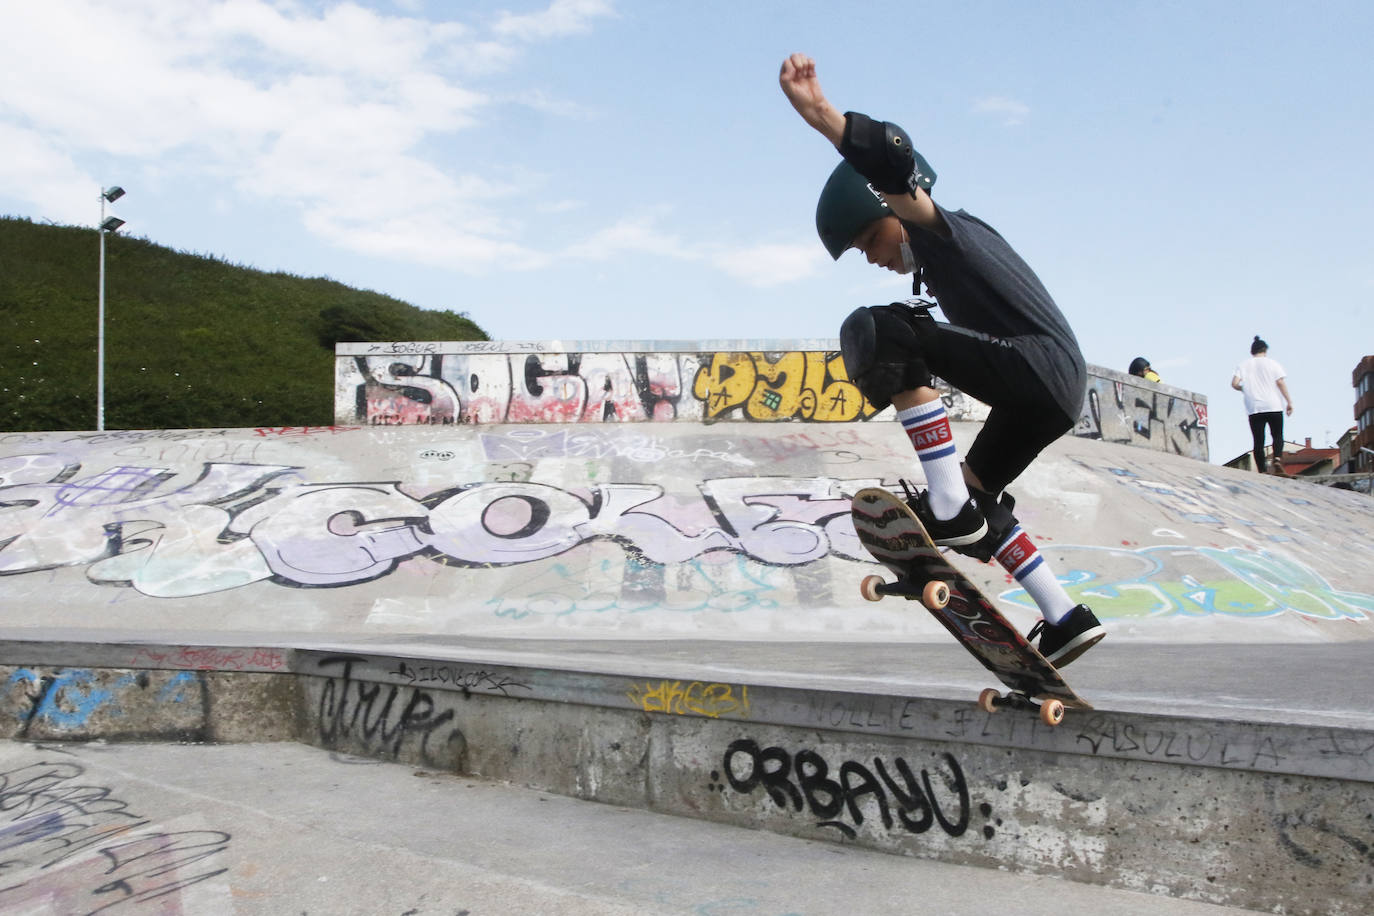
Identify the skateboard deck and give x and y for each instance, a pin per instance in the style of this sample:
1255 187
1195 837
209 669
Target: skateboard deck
892 533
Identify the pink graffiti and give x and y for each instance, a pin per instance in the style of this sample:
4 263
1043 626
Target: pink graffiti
296 431
190 658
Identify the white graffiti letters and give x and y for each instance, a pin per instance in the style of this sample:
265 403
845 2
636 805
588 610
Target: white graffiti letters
229 528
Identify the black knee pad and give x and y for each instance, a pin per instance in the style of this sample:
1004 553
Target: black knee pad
882 348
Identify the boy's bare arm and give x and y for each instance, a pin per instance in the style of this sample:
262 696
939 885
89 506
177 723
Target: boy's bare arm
803 89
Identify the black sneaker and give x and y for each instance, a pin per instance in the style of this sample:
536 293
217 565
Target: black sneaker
1063 642
968 527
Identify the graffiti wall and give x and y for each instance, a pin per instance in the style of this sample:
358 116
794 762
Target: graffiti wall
1230 812
1055 814
620 530
1131 411
417 383
74 843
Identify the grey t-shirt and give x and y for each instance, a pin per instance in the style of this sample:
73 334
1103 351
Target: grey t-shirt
985 286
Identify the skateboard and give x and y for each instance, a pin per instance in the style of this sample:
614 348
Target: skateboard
892 533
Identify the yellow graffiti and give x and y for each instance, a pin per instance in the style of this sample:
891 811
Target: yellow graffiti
806 385
694 699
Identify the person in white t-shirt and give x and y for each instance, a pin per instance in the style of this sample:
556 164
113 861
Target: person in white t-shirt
1262 381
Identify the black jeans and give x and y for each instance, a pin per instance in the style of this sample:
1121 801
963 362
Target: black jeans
1258 421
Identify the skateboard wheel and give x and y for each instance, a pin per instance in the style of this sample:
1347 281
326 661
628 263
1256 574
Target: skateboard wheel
869 588
935 595
987 700
1052 712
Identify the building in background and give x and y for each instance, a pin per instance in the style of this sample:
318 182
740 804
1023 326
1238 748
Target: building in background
1308 461
1363 381
1299 460
1346 443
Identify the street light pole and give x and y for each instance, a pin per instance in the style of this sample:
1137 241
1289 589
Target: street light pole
111 194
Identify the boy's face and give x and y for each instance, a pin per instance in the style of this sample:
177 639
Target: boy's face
880 241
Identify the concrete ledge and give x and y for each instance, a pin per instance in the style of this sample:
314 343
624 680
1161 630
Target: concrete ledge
1253 814
1294 741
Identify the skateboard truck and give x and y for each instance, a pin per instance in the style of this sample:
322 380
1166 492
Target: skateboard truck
935 596
1051 710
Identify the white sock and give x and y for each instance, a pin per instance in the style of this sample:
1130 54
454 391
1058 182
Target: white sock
1019 557
927 426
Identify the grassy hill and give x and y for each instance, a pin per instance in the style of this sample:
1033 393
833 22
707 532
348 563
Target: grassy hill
190 341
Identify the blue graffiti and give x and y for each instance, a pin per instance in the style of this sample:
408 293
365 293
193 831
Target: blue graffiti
71 697
1204 581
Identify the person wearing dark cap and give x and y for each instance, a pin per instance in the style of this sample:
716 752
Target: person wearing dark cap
1140 367
1005 343
1265 386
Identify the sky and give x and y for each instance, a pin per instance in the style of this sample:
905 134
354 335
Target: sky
1182 175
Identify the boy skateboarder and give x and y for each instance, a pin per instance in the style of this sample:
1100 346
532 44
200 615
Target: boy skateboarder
1006 343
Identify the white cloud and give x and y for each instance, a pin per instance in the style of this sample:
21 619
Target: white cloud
1010 111
483 58
363 125
61 191
294 106
541 101
635 235
423 239
770 264
559 206
563 17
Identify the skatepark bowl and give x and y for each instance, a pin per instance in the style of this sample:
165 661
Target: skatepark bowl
664 614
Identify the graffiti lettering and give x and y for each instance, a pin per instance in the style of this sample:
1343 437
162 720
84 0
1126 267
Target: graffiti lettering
413 384
1236 582
803 780
145 528
53 821
282 432
695 698
495 382
227 529
536 444
1314 841
1117 411
1103 733
210 659
456 677
871 712
378 717
799 385
68 699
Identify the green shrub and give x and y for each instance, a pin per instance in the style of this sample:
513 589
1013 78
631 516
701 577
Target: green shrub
190 341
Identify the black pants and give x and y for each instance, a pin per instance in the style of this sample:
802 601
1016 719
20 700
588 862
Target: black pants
1023 417
1258 421
892 348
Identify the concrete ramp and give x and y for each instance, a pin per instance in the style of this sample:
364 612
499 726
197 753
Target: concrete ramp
720 531
666 616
